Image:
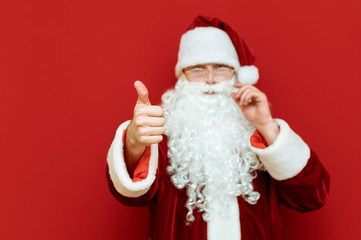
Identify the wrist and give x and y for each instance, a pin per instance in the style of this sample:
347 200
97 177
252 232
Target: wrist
131 141
267 125
269 131
133 149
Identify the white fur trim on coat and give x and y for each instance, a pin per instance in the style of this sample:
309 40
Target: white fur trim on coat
118 170
225 223
287 156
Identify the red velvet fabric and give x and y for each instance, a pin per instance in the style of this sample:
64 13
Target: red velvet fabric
305 192
258 141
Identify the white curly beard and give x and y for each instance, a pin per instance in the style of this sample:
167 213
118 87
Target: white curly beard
208 145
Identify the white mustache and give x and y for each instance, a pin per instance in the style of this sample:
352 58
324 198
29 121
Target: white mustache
223 87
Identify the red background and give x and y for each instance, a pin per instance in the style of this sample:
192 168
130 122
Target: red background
67 70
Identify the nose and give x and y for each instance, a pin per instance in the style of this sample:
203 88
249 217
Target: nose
210 79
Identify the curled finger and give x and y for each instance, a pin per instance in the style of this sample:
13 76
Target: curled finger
156 121
245 93
151 139
153 111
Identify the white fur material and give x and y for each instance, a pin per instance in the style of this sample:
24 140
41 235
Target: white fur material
287 156
118 170
208 145
225 223
206 45
248 74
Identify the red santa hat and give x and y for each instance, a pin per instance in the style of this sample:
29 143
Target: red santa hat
210 40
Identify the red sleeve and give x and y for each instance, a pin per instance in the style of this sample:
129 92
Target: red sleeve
258 141
140 201
306 191
141 171
309 189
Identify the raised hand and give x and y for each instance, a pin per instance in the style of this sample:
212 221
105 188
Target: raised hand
146 127
255 107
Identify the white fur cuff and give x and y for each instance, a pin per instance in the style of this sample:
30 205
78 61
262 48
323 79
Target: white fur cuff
118 170
287 156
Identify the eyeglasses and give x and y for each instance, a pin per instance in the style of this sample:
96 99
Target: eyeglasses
200 73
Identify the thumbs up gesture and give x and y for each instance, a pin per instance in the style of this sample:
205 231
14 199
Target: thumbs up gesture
146 127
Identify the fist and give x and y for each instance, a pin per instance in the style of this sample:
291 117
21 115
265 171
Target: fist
147 125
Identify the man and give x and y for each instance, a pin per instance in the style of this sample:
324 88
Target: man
212 163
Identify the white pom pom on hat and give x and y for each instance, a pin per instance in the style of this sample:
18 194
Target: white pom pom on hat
210 40
248 74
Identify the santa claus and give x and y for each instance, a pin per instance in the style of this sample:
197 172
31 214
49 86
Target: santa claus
211 162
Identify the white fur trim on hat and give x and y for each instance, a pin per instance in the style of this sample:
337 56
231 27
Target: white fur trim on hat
118 170
204 45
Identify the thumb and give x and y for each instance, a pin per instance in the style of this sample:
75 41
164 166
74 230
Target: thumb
142 93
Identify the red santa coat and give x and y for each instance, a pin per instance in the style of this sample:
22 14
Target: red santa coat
306 190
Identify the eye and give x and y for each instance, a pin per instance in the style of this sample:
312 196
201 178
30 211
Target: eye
222 66
195 69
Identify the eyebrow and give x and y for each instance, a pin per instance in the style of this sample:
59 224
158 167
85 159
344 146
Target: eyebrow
213 65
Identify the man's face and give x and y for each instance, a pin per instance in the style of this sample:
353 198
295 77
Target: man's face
210 79
209 73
